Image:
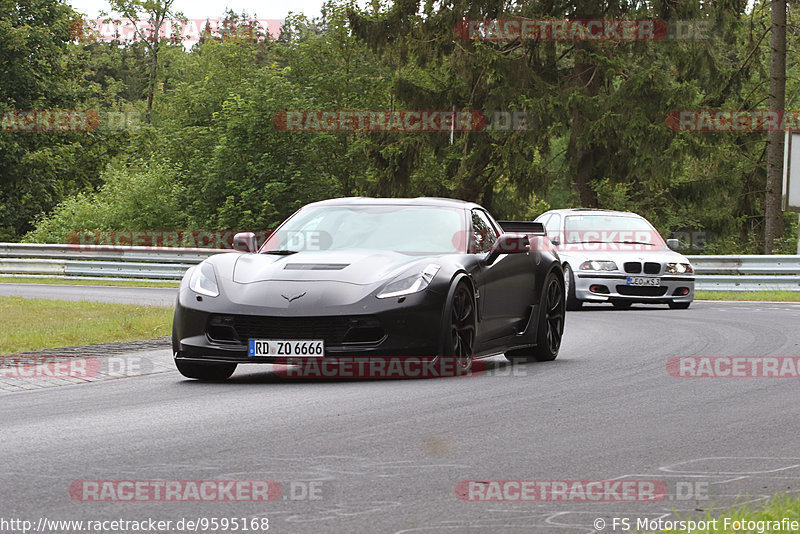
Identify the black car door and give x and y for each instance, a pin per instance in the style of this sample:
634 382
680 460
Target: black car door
506 288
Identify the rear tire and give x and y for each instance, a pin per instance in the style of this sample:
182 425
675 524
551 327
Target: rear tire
680 305
573 303
205 371
550 328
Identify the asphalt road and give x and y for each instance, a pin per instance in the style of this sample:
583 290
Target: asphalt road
387 456
151 296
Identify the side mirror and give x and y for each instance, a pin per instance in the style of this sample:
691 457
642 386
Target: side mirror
673 244
245 241
508 244
555 241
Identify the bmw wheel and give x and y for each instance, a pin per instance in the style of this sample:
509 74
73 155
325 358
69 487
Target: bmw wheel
569 281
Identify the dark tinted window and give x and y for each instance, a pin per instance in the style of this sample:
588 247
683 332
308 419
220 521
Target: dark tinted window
483 233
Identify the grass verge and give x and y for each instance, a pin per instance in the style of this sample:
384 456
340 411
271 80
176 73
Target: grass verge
74 282
775 296
780 514
34 324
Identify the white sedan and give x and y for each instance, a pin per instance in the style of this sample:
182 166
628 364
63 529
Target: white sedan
617 257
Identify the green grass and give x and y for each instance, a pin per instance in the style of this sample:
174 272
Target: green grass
775 296
74 282
33 324
777 509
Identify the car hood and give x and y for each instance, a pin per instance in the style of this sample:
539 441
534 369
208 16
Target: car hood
319 281
358 267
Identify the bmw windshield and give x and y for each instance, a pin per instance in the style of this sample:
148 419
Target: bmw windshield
586 229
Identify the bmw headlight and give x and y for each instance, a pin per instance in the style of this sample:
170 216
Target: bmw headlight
679 268
410 284
598 265
204 281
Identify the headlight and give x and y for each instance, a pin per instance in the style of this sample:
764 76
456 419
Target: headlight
679 268
204 281
597 265
410 284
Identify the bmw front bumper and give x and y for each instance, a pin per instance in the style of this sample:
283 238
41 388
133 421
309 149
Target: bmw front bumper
592 286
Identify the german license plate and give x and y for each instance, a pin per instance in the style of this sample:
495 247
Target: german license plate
290 348
643 281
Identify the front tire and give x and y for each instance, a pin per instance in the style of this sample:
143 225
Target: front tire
573 303
459 325
205 371
550 328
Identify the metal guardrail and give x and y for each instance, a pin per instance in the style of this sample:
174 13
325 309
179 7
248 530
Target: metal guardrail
99 262
713 273
107 253
746 273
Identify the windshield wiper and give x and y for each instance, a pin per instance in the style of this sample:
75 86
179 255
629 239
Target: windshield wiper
283 252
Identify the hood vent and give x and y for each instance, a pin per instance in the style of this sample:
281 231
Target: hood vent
315 266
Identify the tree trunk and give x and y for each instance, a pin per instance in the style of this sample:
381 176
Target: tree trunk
587 79
151 85
159 16
773 216
581 151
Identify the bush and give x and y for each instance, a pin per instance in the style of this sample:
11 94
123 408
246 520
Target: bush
140 195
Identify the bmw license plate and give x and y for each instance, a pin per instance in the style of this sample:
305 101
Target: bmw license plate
289 348
643 281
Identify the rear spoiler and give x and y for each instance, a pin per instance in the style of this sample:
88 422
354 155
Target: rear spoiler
522 227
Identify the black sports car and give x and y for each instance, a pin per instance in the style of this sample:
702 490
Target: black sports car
388 278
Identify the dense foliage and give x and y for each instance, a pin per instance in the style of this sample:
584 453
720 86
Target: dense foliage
212 157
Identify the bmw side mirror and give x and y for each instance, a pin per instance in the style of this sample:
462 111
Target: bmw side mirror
673 244
508 244
245 241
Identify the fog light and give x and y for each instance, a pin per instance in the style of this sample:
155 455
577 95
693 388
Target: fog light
598 288
221 328
681 291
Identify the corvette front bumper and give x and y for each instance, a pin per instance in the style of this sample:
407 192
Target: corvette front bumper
408 327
